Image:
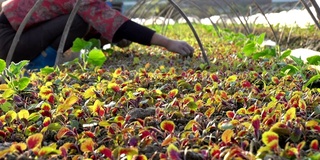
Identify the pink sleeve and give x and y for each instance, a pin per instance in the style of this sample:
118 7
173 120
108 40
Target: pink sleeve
95 12
101 17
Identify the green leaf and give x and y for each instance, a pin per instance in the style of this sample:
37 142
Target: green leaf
311 80
96 57
249 49
260 38
314 60
34 117
47 70
193 106
298 61
95 43
261 54
79 44
136 60
2 65
15 68
285 54
23 83
8 93
75 124
54 126
47 150
289 69
5 107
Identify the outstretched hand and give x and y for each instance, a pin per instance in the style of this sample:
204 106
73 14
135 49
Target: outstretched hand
180 47
177 46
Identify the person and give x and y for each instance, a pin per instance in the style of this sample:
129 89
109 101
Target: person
94 19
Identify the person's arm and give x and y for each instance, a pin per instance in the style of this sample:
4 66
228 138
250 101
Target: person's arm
143 35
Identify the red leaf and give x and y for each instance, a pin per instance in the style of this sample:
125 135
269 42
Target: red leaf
227 135
290 114
46 121
34 141
106 152
198 87
89 134
251 109
2 134
173 93
246 84
167 125
314 144
64 151
209 112
230 114
275 80
139 157
173 152
63 131
214 77
144 134
256 125
270 139
51 99
45 106
87 145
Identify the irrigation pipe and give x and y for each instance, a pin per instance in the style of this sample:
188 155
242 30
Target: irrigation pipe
20 30
66 31
193 30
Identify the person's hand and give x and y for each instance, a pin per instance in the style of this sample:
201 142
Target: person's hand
180 47
177 46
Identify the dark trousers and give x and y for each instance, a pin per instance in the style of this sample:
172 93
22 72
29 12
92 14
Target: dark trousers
37 38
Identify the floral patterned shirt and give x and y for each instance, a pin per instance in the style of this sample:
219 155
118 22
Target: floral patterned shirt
97 13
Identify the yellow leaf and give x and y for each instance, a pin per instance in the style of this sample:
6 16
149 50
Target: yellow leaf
12 115
290 114
4 152
232 78
23 114
62 108
71 100
89 93
227 135
117 72
34 141
4 87
87 145
8 93
270 139
18 147
311 123
173 93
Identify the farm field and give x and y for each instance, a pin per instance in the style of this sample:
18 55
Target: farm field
250 102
